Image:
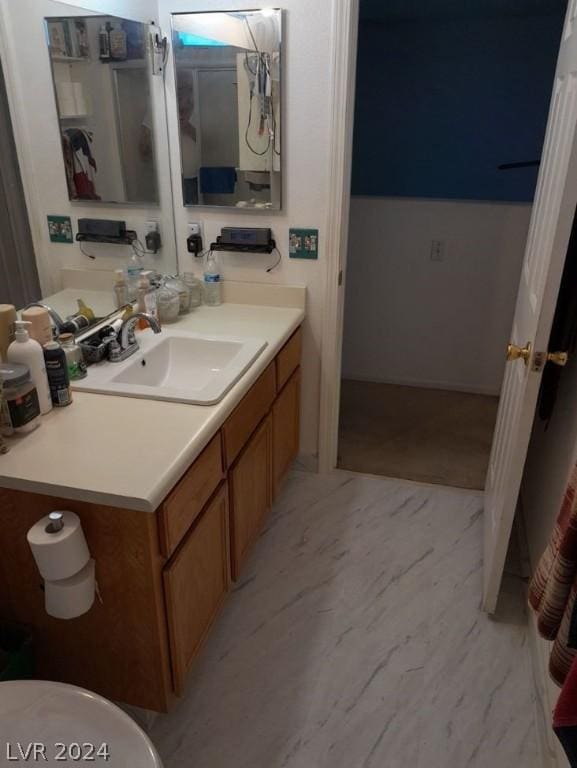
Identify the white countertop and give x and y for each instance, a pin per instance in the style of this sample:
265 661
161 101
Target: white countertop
130 453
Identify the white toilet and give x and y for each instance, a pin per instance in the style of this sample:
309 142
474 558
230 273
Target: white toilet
55 724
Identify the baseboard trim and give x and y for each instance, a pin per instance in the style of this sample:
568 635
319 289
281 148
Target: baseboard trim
448 385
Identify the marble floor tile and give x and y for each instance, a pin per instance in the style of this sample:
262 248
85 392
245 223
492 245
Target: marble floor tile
355 639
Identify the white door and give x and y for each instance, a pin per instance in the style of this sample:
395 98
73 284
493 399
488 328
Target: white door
549 231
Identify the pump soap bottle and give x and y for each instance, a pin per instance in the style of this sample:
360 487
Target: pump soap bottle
29 352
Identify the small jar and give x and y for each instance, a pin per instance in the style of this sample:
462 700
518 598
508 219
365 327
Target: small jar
167 304
177 284
20 407
194 285
74 357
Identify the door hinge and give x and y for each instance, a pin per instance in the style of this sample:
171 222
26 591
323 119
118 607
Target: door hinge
340 279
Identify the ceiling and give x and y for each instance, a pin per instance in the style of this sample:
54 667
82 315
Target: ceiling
407 10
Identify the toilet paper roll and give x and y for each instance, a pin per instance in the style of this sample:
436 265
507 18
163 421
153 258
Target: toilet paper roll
62 554
69 598
65 94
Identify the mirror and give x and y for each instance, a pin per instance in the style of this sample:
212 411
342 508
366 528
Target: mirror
101 74
228 92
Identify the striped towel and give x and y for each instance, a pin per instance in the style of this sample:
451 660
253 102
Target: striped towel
553 588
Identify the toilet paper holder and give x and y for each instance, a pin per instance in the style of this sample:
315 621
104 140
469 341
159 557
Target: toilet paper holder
63 559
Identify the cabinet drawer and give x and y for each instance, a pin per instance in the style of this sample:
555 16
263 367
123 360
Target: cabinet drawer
185 502
285 429
196 582
248 413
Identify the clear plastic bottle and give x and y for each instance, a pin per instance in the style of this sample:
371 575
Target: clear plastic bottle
211 281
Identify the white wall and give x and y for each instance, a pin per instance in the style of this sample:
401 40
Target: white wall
26 66
411 320
306 66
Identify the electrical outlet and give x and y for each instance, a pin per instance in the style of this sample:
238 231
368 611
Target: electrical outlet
194 228
437 250
150 226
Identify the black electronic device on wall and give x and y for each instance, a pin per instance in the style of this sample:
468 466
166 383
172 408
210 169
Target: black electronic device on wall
105 231
245 240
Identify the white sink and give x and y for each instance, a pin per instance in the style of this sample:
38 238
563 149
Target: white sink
178 366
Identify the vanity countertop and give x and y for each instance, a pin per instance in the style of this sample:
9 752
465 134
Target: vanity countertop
128 452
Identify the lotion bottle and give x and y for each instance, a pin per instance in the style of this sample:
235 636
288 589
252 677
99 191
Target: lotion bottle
29 352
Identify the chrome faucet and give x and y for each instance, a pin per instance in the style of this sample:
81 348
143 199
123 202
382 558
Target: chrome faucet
128 343
55 317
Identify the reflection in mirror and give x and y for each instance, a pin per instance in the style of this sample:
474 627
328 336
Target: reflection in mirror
101 71
228 84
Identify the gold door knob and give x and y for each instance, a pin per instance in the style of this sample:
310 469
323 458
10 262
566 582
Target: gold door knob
519 353
558 358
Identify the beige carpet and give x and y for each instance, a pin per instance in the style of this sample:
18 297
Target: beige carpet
428 435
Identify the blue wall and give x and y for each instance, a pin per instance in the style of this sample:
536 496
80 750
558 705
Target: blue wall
440 104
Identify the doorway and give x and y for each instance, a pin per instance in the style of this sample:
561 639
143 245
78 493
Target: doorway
449 122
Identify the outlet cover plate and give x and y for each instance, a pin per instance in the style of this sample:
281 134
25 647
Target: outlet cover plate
60 229
303 243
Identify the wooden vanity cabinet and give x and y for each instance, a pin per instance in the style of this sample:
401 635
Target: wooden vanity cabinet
250 482
256 471
162 576
119 648
196 582
285 429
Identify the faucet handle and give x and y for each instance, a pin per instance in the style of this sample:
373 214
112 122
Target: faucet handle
130 332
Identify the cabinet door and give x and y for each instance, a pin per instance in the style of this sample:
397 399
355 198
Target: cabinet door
196 581
286 429
250 492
